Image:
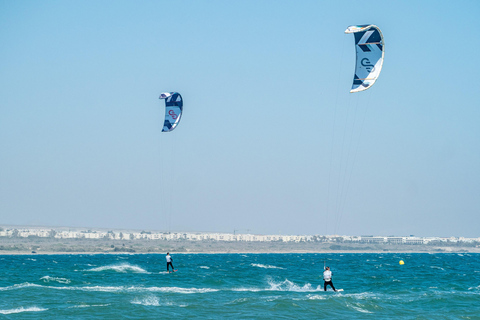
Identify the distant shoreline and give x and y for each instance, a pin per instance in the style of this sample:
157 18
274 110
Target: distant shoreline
51 246
6 253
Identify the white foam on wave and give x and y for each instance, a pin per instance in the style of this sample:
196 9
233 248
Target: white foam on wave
90 305
55 279
436 267
288 285
358 308
155 302
147 301
116 288
123 268
266 266
20 286
22 309
181 290
204 267
285 285
143 289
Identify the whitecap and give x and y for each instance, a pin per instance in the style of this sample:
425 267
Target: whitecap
22 309
55 279
154 301
181 290
358 308
248 289
436 267
123 268
90 305
288 285
204 267
147 301
19 286
266 266
285 285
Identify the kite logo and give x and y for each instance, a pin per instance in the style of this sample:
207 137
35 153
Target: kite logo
172 114
366 63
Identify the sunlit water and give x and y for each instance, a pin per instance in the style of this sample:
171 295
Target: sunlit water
240 286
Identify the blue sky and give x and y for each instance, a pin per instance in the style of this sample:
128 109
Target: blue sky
271 140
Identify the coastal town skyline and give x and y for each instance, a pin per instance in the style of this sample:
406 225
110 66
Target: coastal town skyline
128 234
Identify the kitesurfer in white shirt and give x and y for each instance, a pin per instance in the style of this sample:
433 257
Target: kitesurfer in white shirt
327 277
169 262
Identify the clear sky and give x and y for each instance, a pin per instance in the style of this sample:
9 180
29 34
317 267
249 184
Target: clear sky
271 140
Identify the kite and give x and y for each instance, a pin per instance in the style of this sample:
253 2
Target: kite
173 110
370 48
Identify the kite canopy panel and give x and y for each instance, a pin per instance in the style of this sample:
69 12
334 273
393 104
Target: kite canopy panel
369 47
173 110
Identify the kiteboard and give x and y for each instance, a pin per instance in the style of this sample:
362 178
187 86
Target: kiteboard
173 271
338 290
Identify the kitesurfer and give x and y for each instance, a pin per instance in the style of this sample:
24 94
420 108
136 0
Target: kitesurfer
327 278
169 262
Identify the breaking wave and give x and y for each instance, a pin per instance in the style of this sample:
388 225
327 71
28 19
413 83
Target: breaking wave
55 279
286 285
22 309
123 268
265 266
147 301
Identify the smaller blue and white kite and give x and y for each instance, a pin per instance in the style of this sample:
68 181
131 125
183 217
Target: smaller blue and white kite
370 48
173 110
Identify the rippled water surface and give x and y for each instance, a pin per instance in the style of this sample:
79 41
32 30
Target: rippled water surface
241 286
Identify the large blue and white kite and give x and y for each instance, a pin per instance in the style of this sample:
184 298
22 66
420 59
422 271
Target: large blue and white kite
370 48
173 110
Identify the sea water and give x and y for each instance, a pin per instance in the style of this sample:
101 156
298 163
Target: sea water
240 286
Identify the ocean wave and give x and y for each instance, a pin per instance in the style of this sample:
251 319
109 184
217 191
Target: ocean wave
123 268
359 309
55 279
155 302
204 267
181 290
288 285
147 301
436 267
19 286
90 305
285 285
115 288
265 266
22 309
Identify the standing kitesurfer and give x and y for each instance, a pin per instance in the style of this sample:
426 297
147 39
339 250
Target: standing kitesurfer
327 277
169 262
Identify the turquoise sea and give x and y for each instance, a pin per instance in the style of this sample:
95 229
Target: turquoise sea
240 286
